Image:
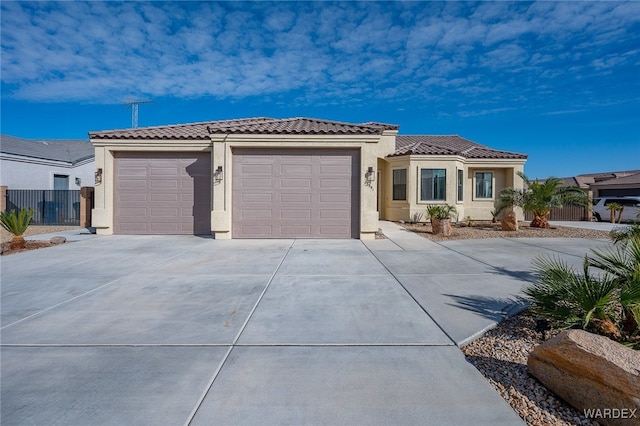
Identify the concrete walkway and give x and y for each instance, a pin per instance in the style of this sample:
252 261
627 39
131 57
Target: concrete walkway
163 330
598 226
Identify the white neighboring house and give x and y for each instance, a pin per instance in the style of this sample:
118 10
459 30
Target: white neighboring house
46 163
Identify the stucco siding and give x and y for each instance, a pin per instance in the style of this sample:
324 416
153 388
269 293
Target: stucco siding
17 174
503 176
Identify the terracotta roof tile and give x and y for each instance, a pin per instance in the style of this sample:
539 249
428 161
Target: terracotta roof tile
187 131
448 145
260 125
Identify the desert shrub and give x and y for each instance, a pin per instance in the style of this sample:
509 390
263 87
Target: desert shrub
603 298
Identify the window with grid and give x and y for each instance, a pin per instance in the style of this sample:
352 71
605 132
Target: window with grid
460 184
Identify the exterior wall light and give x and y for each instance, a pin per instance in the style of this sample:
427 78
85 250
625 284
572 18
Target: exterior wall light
217 175
98 176
78 181
370 175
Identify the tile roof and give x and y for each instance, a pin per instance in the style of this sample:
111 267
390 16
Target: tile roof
70 151
189 131
448 145
260 125
588 179
633 179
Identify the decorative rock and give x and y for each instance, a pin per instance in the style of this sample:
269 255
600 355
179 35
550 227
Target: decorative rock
58 240
510 222
596 375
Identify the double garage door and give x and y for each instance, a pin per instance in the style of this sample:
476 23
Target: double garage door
276 193
305 193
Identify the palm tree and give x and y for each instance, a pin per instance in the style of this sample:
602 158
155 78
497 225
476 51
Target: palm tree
539 197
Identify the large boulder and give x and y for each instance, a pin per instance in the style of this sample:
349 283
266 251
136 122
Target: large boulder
599 377
510 222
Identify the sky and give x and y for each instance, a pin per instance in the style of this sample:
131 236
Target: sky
559 81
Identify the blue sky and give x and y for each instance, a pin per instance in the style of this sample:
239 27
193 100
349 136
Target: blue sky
559 81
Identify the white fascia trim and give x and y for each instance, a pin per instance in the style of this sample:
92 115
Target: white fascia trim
33 160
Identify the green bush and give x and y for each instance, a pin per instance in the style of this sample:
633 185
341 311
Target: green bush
16 222
441 211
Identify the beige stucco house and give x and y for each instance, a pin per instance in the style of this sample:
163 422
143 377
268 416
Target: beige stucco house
286 178
426 170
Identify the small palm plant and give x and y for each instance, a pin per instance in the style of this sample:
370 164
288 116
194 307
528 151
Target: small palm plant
440 215
16 223
573 299
606 302
613 209
494 215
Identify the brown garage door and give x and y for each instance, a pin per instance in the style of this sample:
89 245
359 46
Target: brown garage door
162 193
301 193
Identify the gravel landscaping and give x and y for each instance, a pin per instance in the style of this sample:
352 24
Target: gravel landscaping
501 356
486 229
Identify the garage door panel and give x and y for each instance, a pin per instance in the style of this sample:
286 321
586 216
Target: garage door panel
295 183
257 198
332 169
134 171
335 183
296 232
301 185
295 198
255 183
330 197
295 170
162 193
295 214
333 213
174 213
132 185
258 231
163 184
257 214
165 171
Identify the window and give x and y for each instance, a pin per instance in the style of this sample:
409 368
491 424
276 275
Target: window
60 182
460 184
484 185
400 184
433 184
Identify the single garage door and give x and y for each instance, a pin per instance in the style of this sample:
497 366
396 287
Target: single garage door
295 193
162 193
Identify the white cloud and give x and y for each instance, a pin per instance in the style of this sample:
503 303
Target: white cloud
314 52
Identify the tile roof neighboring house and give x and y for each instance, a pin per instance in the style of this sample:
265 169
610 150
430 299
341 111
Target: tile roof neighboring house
633 179
71 151
588 179
448 145
260 125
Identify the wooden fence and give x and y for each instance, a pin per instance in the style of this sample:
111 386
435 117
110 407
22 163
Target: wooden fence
567 213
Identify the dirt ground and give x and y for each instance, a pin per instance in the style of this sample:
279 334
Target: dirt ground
5 237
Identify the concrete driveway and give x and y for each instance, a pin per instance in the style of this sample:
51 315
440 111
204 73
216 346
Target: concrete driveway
163 330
